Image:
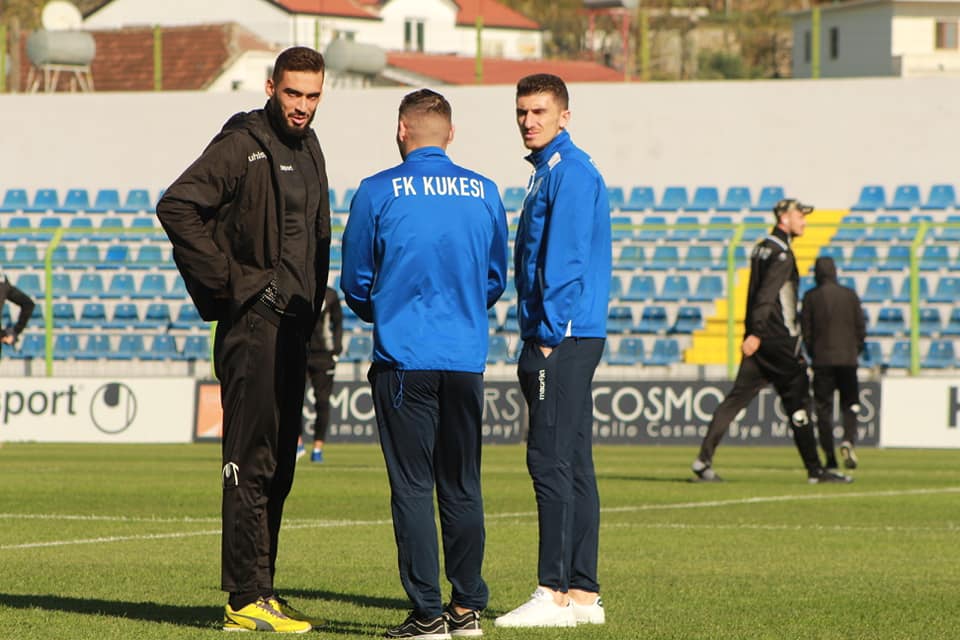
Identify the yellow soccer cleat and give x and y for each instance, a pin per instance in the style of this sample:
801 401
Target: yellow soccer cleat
261 616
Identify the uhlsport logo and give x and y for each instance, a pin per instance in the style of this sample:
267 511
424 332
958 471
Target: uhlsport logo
113 408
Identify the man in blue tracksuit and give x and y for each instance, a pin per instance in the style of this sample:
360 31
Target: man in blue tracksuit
424 257
562 270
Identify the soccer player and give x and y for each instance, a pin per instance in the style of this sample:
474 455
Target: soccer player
9 335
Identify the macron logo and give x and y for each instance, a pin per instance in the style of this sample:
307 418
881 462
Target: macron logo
257 155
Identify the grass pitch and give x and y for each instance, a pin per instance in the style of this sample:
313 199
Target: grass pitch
123 541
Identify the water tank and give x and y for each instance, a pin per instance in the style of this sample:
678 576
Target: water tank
354 57
610 4
61 47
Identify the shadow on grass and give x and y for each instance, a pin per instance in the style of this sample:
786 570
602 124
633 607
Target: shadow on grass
641 479
351 598
199 617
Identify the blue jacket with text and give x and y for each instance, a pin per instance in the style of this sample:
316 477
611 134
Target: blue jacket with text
563 254
424 257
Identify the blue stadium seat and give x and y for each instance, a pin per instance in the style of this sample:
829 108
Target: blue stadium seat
157 316
929 321
910 231
641 199
145 225
629 352
48 224
14 201
675 288
863 258
95 347
653 319
621 227
922 284
648 234
704 199
615 196
76 225
336 256
117 256
92 316
759 227
121 286
86 256
138 200
947 290
950 233
872 355
75 201
898 259
836 252
674 199
847 281
806 283
886 229
62 285
934 257
900 355
106 201
153 285
344 205
631 256
847 233
64 315
32 345
890 322
942 197
718 234
125 316
940 355
709 288
616 287
688 234
737 199
65 346
497 349
60 257
44 200
739 257
619 319
512 198
162 347
699 258
350 320
666 351
641 289
30 284
187 317
18 223
689 319
953 323
178 290
360 349
878 289
665 256
769 196
872 197
24 255
196 348
905 198
130 347
148 256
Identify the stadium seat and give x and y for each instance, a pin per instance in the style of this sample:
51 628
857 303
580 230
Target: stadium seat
953 323
900 355
699 258
162 347
153 285
640 289
350 320
940 355
759 227
689 319
95 347
30 284
846 232
739 257
344 205
512 198
674 199
73 232
157 316
360 349
897 259
847 281
872 355
93 315
44 200
878 289
48 225
649 234
665 256
905 198
929 321
148 256
497 349
616 287
64 315
653 319
675 288
86 256
615 196
666 351
124 316
106 201
641 199
130 347
949 233
923 286
709 288
196 348
32 345
629 352
890 322
62 285
872 197
24 256
138 200
704 199
187 317
769 196
947 290
621 228
863 258
121 286
18 223
60 257
75 201
178 290
687 229
718 233
115 257
837 253
336 256
942 197
65 346
14 201
910 231
737 199
886 229
934 257
619 319
631 256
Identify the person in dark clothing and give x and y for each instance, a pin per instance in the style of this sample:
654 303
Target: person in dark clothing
834 332
8 292
424 257
249 221
323 351
771 348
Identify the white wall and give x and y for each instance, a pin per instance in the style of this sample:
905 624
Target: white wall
822 140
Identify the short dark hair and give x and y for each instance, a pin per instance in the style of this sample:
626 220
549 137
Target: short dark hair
544 83
297 59
425 102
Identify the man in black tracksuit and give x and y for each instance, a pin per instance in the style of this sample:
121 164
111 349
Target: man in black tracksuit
250 225
771 347
834 332
9 335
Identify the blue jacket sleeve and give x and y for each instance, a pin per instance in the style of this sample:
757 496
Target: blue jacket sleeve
572 199
356 275
497 276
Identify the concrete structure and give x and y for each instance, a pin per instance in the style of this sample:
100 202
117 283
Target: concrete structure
880 38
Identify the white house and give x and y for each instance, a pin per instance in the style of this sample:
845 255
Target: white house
879 38
427 26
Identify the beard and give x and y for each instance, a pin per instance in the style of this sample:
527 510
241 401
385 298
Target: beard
275 110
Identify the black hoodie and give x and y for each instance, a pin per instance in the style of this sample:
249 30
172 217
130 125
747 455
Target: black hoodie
832 319
224 216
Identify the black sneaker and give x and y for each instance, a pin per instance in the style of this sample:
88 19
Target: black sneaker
704 472
848 454
429 629
826 476
463 624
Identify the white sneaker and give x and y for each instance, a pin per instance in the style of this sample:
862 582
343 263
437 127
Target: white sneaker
539 611
589 613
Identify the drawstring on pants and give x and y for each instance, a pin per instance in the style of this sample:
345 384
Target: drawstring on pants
398 398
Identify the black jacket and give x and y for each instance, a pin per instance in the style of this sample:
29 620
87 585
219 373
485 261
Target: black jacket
772 292
832 317
19 298
224 217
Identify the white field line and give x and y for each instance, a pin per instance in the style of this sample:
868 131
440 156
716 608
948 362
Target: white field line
292 523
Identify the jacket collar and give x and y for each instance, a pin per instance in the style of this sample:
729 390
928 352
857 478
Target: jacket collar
542 157
781 236
424 153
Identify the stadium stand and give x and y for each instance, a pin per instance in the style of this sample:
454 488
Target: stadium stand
641 199
674 199
872 197
737 199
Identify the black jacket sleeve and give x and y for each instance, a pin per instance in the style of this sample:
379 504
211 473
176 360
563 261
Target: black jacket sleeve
26 305
336 321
